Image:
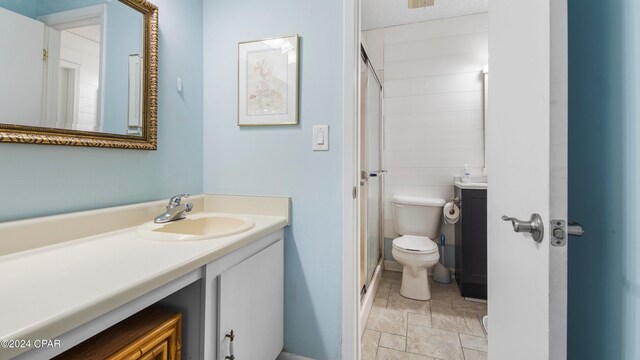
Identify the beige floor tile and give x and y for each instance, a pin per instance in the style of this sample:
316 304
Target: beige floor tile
378 302
433 342
474 324
386 320
395 286
474 342
444 292
390 354
419 319
369 344
440 304
469 306
457 321
475 355
392 341
383 291
399 302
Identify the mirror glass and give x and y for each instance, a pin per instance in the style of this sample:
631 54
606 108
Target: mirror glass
75 65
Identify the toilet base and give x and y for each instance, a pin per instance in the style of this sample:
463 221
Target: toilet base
415 285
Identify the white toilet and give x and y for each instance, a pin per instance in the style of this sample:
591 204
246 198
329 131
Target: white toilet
417 219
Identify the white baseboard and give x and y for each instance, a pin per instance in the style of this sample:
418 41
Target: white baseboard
289 356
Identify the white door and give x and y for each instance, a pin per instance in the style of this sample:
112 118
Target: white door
527 166
21 66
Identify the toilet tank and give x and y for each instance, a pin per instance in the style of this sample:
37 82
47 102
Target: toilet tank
419 216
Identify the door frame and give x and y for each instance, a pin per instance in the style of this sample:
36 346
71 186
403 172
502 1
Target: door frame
558 174
350 115
63 20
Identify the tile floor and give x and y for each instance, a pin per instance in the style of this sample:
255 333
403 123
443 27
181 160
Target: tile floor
447 327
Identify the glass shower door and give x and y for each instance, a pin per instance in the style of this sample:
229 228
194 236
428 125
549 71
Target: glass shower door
372 168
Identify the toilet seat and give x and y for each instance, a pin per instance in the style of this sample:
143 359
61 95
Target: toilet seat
415 244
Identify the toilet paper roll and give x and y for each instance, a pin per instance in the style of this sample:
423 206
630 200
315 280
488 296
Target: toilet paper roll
451 213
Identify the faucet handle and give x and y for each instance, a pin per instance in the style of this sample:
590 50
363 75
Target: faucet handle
176 200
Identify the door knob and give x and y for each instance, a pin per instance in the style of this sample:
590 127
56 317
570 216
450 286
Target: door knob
534 226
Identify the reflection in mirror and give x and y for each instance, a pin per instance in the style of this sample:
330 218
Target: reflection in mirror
72 65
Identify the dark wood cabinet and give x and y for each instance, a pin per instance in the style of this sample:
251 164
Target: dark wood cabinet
471 243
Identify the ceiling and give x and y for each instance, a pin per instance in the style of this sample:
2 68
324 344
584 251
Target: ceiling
385 13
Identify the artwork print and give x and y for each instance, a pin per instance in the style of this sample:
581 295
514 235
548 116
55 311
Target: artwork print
268 82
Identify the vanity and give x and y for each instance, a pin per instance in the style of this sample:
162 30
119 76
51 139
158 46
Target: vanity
471 238
69 277
88 75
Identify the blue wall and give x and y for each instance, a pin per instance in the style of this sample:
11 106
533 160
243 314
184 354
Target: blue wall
604 179
42 180
279 160
122 41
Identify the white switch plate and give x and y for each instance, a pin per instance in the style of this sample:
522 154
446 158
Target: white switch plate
320 138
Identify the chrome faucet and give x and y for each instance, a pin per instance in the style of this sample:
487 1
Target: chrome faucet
175 210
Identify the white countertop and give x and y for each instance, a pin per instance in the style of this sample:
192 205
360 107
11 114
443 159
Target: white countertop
50 290
470 185
475 183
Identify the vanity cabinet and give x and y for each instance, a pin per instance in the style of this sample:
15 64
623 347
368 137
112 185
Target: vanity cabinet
251 304
153 333
244 293
471 243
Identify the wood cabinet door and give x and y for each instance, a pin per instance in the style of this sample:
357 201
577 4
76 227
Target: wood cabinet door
252 305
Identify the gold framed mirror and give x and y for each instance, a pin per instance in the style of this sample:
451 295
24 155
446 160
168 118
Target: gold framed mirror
79 73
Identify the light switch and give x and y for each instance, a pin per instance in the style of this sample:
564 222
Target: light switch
320 137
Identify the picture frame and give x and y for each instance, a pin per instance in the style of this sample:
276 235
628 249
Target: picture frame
268 81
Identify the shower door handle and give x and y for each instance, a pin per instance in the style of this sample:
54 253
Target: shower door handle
377 173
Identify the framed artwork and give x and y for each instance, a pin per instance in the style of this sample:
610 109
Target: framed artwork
268 82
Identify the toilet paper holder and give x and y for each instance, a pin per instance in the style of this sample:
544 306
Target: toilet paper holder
457 202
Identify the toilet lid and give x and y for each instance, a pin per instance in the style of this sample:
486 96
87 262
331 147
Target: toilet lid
415 243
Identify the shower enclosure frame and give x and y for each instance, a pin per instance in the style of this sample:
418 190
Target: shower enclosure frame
369 270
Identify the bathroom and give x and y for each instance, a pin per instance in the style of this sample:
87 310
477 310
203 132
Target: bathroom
71 224
432 65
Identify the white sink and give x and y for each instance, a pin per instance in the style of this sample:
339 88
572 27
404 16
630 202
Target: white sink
202 226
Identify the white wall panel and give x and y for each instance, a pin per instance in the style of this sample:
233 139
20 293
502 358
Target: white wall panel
438 28
453 64
433 140
434 84
467 119
477 43
434 103
421 176
449 158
